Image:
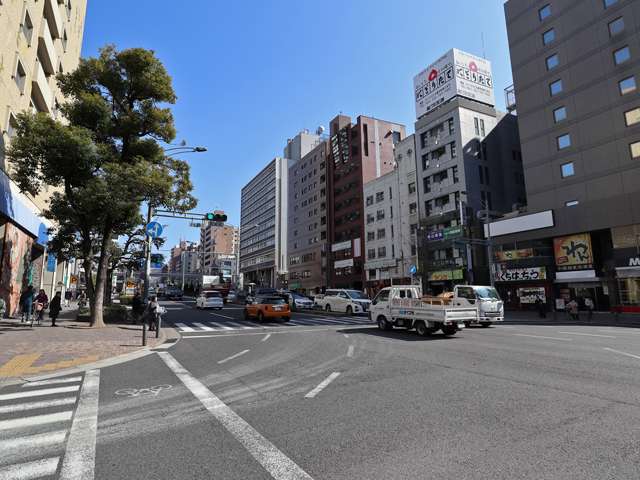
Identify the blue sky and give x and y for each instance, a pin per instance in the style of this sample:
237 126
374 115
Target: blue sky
250 74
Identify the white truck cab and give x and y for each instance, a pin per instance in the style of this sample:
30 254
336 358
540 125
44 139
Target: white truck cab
343 300
485 299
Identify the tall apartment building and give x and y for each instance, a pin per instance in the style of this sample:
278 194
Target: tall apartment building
358 154
576 68
307 218
467 161
38 39
391 221
215 239
184 262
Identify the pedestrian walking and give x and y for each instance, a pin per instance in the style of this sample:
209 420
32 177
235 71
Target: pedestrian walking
572 307
152 311
26 304
588 303
137 307
542 308
54 308
42 302
68 295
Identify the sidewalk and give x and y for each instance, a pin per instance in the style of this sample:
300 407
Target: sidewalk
561 318
26 350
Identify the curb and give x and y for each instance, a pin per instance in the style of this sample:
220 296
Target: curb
105 362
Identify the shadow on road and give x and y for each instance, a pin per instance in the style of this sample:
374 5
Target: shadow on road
396 334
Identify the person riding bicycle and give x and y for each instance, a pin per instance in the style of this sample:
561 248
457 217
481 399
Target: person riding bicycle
42 302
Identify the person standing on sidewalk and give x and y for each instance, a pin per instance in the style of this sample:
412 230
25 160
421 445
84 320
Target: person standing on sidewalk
54 308
137 307
588 303
542 308
572 306
67 297
42 302
26 303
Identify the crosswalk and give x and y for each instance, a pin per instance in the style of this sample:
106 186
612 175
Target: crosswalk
232 325
35 419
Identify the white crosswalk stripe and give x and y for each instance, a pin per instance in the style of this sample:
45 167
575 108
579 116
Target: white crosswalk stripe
35 420
308 321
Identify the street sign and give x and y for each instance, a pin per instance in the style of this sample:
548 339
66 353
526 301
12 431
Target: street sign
154 229
413 269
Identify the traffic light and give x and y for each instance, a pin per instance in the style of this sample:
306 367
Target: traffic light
216 217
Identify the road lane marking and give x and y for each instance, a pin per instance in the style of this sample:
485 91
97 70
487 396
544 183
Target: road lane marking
346 335
36 420
322 385
219 326
266 337
588 334
223 316
52 381
273 460
39 393
541 336
350 351
25 471
622 330
240 326
622 353
203 327
21 407
184 327
233 356
80 457
32 441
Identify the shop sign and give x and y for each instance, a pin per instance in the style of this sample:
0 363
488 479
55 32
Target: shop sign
73 280
445 275
573 252
627 257
445 233
506 255
336 247
530 295
343 263
503 274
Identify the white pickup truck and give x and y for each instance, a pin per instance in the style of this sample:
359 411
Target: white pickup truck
404 306
485 300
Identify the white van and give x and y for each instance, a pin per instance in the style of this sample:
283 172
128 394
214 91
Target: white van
485 299
343 300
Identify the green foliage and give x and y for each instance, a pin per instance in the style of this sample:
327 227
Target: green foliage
116 314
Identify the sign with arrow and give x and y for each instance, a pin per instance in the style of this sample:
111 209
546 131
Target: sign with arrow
154 229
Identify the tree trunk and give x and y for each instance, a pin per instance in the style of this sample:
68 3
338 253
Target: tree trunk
97 319
109 287
88 275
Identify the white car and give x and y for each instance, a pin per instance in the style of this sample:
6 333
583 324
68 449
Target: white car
343 300
299 302
210 299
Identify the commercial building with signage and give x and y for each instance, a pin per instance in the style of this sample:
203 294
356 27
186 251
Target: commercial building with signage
468 160
358 154
575 74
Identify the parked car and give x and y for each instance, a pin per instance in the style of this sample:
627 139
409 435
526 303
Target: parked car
210 299
343 300
267 307
297 301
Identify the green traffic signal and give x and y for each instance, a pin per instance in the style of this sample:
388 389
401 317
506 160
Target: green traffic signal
216 217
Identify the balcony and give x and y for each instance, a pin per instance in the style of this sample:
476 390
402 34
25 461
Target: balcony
46 50
52 14
510 99
41 92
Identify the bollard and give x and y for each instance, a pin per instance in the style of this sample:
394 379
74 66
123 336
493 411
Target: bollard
159 322
144 333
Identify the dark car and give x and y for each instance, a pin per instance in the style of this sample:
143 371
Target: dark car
174 294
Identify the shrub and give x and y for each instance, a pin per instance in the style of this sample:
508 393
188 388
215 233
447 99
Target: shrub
116 314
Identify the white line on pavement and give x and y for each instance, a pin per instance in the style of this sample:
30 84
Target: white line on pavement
350 351
322 385
184 327
39 393
621 330
223 316
622 353
280 330
21 407
36 420
26 471
32 441
223 327
273 460
203 327
540 336
266 337
233 356
346 335
240 326
588 334
80 457
52 381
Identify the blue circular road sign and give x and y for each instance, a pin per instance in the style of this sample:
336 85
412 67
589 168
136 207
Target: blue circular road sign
413 269
154 229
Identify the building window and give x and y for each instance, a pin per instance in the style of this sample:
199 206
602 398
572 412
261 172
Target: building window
608 3
452 126
616 26
424 136
380 215
552 61
371 236
65 40
372 274
621 55
369 200
425 161
555 87
475 124
571 203
371 253
544 12
632 117
426 184
548 36
563 141
381 233
567 170
379 197
396 137
452 147
635 149
27 27
482 127
627 85
559 114
454 174
69 9
413 208
20 76
412 187
370 218
382 252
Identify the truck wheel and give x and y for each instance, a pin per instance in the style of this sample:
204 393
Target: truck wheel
383 324
485 324
467 324
327 307
349 310
449 330
422 329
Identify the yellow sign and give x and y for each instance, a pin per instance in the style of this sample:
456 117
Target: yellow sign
573 252
73 280
445 275
505 255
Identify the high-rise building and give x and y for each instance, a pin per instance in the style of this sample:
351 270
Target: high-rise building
575 70
38 39
184 263
465 151
358 154
217 240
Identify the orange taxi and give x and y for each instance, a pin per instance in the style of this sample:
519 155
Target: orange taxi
267 308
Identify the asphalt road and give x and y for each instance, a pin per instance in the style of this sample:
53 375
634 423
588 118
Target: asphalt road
332 397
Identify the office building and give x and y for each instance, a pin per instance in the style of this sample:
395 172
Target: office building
467 161
358 154
576 68
391 221
184 263
216 239
38 39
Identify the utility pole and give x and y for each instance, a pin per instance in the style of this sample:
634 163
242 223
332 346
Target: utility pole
147 257
182 255
489 246
468 247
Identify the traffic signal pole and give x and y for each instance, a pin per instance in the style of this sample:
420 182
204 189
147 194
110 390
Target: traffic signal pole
147 259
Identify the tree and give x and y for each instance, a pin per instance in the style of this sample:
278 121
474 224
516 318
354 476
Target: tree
106 160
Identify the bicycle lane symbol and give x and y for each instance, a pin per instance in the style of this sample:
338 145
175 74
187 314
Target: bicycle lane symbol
142 392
